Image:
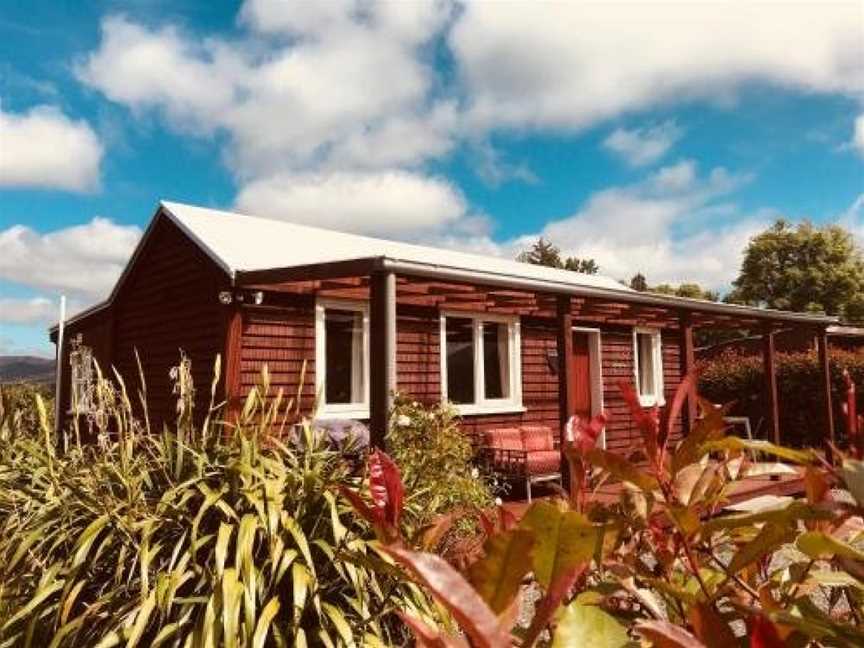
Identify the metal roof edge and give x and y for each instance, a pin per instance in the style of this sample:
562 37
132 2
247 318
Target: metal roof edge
684 303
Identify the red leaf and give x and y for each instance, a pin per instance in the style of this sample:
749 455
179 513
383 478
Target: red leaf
430 637
646 419
363 509
584 434
385 485
763 634
685 388
663 634
710 627
549 604
452 590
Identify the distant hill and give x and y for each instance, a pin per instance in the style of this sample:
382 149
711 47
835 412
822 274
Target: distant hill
28 368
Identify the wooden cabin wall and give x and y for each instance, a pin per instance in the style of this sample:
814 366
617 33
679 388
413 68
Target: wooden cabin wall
95 332
168 303
284 337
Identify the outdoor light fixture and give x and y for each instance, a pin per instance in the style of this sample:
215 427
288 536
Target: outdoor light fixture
225 297
552 360
258 297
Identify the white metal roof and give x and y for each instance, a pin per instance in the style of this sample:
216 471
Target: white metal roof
243 243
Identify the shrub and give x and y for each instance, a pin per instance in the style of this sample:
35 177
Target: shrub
218 535
436 460
739 380
18 405
666 563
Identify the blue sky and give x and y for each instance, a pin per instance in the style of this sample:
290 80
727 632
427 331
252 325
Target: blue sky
652 137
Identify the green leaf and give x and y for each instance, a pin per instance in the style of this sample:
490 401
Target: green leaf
232 591
268 613
587 625
853 475
141 620
767 540
88 537
817 544
562 540
497 575
738 444
621 468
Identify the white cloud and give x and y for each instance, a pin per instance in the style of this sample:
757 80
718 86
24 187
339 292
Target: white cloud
853 219
574 64
46 149
36 310
398 203
348 84
656 226
84 260
857 142
643 146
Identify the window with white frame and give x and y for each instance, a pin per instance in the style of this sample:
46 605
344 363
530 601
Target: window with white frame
648 366
480 362
342 358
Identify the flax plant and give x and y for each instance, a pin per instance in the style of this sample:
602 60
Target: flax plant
218 533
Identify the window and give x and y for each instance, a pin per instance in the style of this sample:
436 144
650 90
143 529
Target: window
480 364
342 358
648 366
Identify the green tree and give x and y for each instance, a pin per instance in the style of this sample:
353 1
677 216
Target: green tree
545 253
638 282
803 267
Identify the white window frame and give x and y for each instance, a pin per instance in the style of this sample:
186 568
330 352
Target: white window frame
658 398
484 405
341 410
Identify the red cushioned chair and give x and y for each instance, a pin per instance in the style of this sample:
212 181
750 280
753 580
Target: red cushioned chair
529 453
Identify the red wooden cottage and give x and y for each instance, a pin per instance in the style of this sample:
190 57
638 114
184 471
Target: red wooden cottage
508 343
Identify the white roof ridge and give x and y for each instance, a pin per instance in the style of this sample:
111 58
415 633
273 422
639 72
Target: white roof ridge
229 249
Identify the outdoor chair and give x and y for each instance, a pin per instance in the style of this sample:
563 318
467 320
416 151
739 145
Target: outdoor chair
528 453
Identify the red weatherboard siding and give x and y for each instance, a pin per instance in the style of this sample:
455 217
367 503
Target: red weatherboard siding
168 302
284 337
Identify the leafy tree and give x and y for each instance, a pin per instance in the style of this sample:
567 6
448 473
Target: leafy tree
542 253
638 282
803 267
585 266
545 253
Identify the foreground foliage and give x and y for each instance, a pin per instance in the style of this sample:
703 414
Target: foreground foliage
199 536
739 380
668 564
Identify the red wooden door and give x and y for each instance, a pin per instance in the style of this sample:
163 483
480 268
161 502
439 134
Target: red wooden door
580 370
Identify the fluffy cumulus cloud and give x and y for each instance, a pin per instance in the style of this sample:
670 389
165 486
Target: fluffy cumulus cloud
82 260
655 226
44 148
395 202
574 64
642 146
35 310
857 142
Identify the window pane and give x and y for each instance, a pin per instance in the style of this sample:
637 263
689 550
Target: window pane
344 352
460 360
496 360
645 349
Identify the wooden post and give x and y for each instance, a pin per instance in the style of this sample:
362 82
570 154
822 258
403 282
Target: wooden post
769 361
382 356
825 379
565 378
688 367
231 358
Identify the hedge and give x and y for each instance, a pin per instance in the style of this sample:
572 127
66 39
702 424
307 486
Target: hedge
739 380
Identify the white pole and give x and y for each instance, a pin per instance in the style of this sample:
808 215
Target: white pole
59 362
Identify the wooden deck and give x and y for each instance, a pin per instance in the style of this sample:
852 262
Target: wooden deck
747 489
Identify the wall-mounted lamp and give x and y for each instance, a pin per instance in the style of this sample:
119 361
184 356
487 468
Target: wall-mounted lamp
258 297
552 360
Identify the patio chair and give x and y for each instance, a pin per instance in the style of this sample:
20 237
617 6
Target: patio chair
528 453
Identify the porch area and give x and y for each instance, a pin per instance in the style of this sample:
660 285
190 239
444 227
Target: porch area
576 342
